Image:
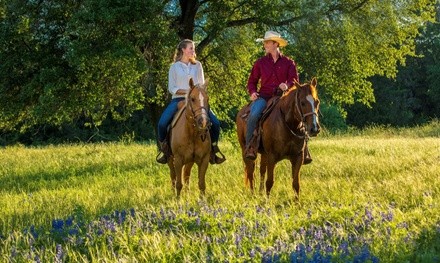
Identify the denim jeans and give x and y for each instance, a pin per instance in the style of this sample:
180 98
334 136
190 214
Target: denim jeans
257 108
171 110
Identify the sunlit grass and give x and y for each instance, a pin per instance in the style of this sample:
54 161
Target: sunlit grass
366 197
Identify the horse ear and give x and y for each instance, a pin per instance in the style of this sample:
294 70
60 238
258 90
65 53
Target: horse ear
314 82
191 83
296 83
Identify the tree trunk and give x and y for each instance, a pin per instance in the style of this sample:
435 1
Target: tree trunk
185 26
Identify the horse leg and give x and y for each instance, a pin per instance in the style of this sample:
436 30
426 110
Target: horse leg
249 168
263 169
202 172
296 162
186 174
178 168
172 172
270 175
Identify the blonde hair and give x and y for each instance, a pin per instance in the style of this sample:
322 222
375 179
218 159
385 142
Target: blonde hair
179 53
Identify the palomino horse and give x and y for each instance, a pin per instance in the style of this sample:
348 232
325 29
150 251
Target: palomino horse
190 140
285 131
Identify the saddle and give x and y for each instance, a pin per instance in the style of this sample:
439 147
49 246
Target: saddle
256 137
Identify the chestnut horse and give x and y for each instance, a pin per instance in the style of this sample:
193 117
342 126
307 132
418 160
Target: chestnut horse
190 141
284 133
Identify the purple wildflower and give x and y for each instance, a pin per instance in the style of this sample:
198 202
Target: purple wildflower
59 253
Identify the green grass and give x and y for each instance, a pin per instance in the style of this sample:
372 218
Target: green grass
368 196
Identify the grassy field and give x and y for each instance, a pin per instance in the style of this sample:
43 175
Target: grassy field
370 196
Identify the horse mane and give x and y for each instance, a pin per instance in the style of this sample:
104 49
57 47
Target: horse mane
313 89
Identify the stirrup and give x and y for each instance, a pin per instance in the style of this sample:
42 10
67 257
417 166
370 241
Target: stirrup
307 156
307 160
162 158
214 159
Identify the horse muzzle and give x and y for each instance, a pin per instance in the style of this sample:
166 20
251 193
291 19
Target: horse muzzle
314 130
312 125
203 122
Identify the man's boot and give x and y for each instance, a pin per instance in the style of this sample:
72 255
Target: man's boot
214 159
163 155
250 152
307 156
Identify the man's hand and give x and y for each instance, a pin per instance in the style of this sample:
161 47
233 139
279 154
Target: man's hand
283 86
254 96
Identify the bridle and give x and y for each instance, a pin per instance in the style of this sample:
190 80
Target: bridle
302 117
195 114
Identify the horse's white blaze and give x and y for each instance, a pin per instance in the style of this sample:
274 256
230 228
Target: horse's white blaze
312 103
202 102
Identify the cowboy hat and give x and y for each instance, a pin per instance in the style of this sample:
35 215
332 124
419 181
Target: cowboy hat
273 36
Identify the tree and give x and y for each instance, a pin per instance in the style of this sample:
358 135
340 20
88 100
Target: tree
412 97
91 60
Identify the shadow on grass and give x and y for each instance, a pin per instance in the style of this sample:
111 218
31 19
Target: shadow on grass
427 245
63 178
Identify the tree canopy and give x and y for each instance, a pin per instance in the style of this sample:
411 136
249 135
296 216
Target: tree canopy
89 60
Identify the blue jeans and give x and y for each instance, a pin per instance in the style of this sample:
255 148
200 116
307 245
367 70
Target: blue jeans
257 108
167 117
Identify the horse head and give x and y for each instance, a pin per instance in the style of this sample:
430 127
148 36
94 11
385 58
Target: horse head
197 101
308 106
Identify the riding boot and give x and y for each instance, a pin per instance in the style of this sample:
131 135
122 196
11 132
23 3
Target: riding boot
163 155
251 149
250 152
214 159
307 156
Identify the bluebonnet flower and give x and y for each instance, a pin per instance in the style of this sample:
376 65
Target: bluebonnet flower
252 253
73 232
69 222
33 232
363 257
329 249
402 225
238 239
59 253
387 217
368 216
343 248
57 224
319 235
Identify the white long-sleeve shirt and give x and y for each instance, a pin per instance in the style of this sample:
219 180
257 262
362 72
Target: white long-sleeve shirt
179 75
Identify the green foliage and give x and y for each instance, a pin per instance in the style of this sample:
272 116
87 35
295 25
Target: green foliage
332 118
346 44
81 63
412 97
